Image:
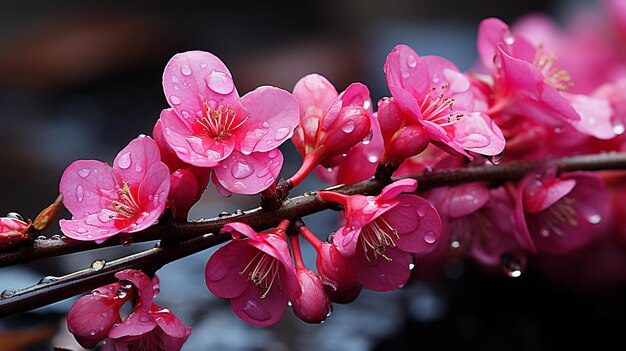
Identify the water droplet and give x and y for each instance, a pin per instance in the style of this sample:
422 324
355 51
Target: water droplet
202 65
104 216
411 266
16 215
185 70
281 133
367 104
430 237
175 100
497 60
372 158
126 284
80 193
289 303
263 172
368 138
330 237
8 293
124 161
92 332
423 210
496 159
594 219
455 244
266 124
348 126
126 239
48 279
513 266
256 311
138 168
55 237
219 82
411 61
223 214
618 129
83 173
436 78
509 38
144 319
42 237
98 265
405 75
241 170
121 293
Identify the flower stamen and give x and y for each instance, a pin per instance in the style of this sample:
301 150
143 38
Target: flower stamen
263 273
377 236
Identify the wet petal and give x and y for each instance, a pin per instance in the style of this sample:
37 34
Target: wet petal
382 275
223 270
143 284
139 322
249 174
405 68
417 236
258 311
87 187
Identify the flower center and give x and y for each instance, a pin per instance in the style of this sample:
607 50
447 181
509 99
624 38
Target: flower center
126 206
561 212
438 108
218 121
262 272
560 79
376 236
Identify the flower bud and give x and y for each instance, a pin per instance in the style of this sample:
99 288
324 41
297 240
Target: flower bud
313 305
338 274
49 215
401 140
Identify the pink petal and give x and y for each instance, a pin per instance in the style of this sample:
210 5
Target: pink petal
478 133
194 77
392 190
542 189
200 152
461 200
404 68
169 323
223 192
345 240
417 222
357 94
273 116
153 192
87 187
445 73
522 234
143 284
249 174
79 229
95 314
139 322
382 275
595 115
133 161
184 193
314 94
491 31
258 311
168 156
222 270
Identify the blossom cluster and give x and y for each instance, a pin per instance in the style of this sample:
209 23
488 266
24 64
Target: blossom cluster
528 97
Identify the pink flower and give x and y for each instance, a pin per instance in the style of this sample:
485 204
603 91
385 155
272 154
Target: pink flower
12 232
313 305
560 214
255 272
149 326
330 123
187 182
382 232
209 125
92 316
526 80
433 93
104 200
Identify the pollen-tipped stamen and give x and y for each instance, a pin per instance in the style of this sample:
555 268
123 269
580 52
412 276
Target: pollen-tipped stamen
264 273
377 236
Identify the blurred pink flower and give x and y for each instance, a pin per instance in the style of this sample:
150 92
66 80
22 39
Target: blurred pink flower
382 232
209 125
255 272
104 200
432 92
12 232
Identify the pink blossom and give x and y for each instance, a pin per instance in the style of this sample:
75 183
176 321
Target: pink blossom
104 200
338 273
330 123
187 182
313 305
255 272
12 232
209 125
382 232
527 80
432 92
560 214
149 326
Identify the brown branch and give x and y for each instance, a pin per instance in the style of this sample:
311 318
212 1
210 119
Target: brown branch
195 232
303 205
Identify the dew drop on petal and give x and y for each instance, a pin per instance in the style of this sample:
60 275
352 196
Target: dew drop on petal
202 65
263 172
497 60
265 124
175 100
618 129
272 154
594 219
423 210
368 138
430 237
104 216
509 38
281 133
372 158
92 332
83 173
405 75
138 168
367 104
219 82
144 319
411 266
80 193
185 70
124 161
256 311
241 170
121 293
411 61
348 126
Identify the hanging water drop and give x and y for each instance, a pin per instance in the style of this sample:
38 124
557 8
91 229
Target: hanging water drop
513 266
121 293
368 138
594 219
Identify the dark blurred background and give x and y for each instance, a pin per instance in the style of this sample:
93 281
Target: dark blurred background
80 80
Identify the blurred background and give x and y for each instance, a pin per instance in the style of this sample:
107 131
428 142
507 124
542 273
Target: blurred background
79 80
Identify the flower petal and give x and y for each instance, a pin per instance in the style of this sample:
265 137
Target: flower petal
478 133
249 174
139 322
392 190
405 68
87 187
79 229
380 274
143 284
416 236
258 311
133 161
153 192
169 323
222 271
